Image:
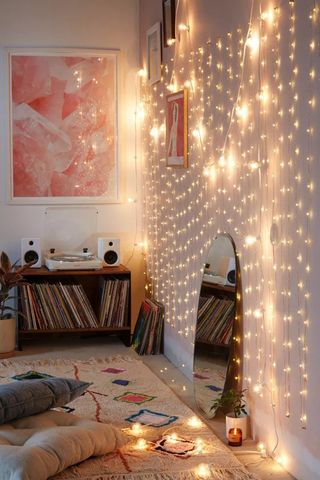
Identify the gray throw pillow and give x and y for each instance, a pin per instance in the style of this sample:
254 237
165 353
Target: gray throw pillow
28 397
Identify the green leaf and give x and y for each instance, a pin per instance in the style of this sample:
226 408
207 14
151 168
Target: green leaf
5 262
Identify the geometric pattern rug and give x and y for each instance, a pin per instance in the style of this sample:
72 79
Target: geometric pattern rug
162 445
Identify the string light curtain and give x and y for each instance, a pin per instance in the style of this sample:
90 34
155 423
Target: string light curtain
253 147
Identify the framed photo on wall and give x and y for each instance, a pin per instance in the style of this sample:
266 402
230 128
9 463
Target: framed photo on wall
169 20
63 108
154 54
177 129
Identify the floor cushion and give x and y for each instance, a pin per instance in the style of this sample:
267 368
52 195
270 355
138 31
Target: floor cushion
23 398
37 447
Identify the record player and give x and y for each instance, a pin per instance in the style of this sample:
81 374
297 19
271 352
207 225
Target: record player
84 260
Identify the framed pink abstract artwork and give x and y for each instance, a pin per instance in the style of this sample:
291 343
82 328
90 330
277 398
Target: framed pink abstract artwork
64 126
177 129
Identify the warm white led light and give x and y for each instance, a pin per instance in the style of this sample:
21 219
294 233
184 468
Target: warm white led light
171 87
267 16
194 422
257 388
222 161
142 73
141 444
203 470
242 111
253 42
183 27
282 460
154 132
171 41
257 313
250 240
253 165
136 429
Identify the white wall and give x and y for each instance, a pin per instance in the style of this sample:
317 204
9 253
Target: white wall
98 24
185 209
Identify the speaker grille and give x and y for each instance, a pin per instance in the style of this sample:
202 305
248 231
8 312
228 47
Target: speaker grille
111 257
30 256
232 277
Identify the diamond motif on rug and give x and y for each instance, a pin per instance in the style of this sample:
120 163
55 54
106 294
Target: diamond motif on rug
177 446
201 377
214 388
31 375
113 370
131 397
153 419
119 381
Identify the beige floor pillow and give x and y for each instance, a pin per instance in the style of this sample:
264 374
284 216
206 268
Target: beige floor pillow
40 446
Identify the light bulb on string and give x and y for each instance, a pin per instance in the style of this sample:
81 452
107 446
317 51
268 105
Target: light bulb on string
142 73
267 15
194 422
183 27
253 165
154 132
171 41
253 42
210 172
242 111
257 388
222 161
251 240
203 470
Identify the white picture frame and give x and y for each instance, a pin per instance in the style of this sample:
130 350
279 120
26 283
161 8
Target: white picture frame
63 126
154 54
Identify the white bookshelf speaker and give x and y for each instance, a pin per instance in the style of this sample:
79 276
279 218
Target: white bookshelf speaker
109 251
31 250
231 272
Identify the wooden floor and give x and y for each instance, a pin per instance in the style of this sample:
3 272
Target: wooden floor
78 348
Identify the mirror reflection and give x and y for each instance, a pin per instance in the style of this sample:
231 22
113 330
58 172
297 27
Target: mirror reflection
215 328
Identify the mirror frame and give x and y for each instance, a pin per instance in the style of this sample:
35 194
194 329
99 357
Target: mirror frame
235 359
235 367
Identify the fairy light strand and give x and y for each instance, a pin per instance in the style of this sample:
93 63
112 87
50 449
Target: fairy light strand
185 209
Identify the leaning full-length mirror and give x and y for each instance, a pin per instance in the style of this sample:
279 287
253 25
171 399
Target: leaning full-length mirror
216 328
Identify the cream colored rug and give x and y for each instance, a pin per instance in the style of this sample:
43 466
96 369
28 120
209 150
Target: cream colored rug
163 443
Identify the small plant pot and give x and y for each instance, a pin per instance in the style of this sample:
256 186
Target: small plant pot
7 336
237 422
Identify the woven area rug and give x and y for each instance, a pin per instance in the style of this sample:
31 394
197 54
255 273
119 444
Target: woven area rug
125 392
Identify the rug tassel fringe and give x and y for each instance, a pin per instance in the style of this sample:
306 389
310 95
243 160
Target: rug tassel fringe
235 473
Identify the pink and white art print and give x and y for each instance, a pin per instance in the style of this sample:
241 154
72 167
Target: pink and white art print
177 129
64 126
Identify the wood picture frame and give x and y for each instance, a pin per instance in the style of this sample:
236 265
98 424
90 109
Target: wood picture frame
154 54
169 20
177 129
63 117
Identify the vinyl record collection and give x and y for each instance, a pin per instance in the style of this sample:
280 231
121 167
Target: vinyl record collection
58 306
114 303
215 320
148 332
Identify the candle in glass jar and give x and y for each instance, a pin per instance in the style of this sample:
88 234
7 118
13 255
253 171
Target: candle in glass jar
235 437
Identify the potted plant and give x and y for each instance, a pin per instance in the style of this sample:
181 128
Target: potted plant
9 279
233 404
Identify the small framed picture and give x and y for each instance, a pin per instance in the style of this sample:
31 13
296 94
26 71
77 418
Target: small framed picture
177 129
169 18
154 53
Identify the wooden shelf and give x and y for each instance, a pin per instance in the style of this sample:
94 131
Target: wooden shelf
91 281
44 272
75 330
213 344
219 287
